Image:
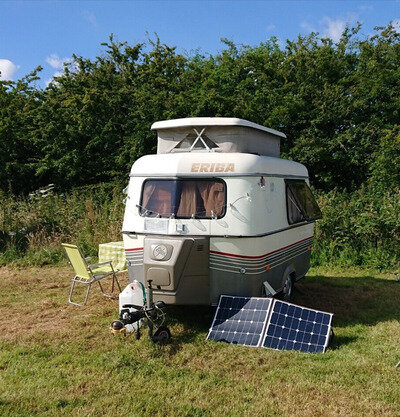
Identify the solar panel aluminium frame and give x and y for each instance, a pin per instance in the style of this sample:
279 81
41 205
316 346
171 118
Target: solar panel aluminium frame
262 333
267 321
271 311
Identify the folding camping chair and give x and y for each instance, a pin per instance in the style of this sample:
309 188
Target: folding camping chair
88 274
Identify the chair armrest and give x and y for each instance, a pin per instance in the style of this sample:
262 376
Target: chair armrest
94 267
100 264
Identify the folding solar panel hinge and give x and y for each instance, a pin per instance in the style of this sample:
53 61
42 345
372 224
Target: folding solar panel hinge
267 319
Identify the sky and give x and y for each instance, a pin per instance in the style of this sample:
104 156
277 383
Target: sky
47 33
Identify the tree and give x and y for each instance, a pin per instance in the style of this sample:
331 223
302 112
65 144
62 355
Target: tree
19 102
336 102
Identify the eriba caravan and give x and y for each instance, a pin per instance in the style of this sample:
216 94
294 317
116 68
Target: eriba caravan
216 211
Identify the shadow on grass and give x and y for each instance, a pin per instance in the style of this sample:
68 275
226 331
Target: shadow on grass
339 341
193 320
364 300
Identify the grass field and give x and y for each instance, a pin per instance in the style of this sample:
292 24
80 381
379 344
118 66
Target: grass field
57 359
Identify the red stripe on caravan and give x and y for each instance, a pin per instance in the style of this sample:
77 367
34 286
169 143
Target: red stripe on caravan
258 256
130 250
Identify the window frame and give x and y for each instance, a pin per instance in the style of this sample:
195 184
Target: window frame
306 219
215 179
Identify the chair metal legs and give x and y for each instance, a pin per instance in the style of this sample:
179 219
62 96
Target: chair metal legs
89 284
115 279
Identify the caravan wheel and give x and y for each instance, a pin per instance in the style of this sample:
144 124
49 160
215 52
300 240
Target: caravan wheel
162 335
288 288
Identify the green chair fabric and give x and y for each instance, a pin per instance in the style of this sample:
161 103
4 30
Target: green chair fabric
77 260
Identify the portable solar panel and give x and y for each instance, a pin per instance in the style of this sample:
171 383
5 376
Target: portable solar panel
292 327
275 324
240 320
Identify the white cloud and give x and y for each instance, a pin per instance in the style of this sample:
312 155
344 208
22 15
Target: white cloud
90 17
307 27
333 28
329 27
7 69
56 62
271 27
52 80
396 25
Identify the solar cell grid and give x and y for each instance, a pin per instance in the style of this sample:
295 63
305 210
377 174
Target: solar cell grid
297 328
270 323
240 320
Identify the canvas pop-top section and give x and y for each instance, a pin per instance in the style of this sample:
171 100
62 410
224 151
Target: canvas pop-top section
216 134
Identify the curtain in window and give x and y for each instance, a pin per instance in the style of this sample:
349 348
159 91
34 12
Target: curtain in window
184 198
157 199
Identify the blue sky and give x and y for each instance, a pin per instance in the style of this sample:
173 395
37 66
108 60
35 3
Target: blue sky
48 32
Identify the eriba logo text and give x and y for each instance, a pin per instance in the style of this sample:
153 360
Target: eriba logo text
219 167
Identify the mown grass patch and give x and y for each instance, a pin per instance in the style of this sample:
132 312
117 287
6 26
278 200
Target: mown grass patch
57 359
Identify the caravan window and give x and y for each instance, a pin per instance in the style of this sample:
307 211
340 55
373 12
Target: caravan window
183 198
301 204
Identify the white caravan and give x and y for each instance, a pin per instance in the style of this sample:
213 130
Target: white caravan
216 211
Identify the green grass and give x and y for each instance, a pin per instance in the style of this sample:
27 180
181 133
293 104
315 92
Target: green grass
57 359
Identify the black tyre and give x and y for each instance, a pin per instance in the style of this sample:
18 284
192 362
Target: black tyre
288 288
161 335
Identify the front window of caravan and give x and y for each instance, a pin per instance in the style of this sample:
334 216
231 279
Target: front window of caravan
301 204
183 198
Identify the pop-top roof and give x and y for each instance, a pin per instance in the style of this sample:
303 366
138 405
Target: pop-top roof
212 121
216 134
